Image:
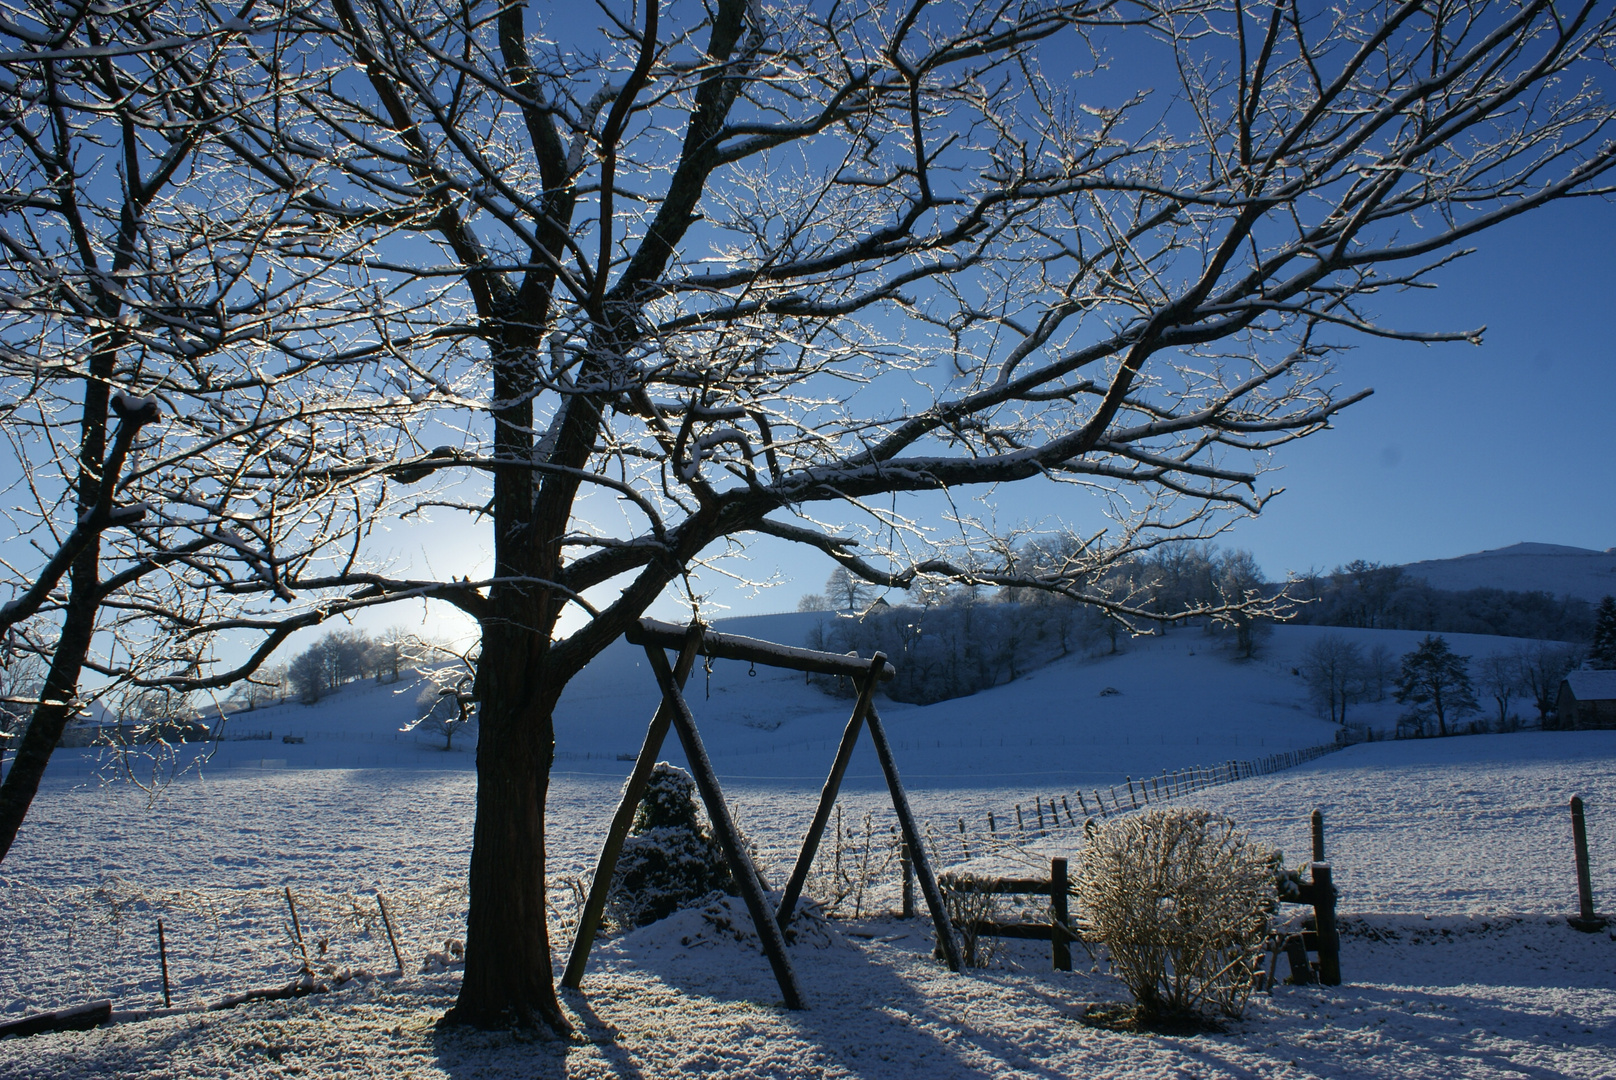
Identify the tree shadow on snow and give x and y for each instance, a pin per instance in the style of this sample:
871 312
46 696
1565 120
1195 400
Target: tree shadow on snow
877 1000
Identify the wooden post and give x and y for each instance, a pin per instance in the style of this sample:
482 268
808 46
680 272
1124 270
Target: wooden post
162 958
827 794
1060 941
1585 919
297 930
729 837
1296 953
991 827
1066 806
1318 835
1019 826
964 844
1083 806
600 886
392 939
1131 796
911 835
906 865
1039 803
1324 924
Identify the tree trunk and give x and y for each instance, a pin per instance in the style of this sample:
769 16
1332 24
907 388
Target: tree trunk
61 690
509 977
50 716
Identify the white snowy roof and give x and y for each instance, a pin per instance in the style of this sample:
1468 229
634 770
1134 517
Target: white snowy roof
1593 685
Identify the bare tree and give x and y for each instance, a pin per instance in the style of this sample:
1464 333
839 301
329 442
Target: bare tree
1501 679
813 271
1334 670
169 397
847 592
1543 665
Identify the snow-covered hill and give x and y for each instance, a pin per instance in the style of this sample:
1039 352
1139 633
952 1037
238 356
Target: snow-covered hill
1179 700
1550 568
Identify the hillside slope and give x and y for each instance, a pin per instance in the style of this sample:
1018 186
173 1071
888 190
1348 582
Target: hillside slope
1180 700
1550 568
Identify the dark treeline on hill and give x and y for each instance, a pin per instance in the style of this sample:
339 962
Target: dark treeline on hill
962 642
957 641
341 657
1367 594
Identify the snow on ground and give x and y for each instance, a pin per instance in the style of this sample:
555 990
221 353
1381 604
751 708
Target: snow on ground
1453 857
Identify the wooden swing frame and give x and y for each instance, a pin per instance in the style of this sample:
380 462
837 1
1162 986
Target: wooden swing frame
673 711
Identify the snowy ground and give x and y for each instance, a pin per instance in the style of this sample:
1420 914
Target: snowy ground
1453 857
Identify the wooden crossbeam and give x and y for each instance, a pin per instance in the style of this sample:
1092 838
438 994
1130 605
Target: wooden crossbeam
649 632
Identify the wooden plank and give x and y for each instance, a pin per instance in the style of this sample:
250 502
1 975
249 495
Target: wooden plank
729 837
650 632
600 886
917 846
1301 970
78 1018
1025 931
827 794
1006 886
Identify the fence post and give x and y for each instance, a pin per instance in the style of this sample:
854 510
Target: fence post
1318 835
1324 924
392 939
162 957
1585 919
297 929
1060 942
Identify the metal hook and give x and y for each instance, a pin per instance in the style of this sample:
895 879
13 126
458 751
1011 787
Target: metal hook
752 671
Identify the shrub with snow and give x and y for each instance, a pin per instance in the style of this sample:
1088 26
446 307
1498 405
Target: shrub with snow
671 859
1182 902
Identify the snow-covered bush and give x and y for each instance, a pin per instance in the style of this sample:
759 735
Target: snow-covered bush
670 859
1182 902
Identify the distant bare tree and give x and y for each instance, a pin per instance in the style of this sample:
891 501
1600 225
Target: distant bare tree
1334 670
1501 678
1542 666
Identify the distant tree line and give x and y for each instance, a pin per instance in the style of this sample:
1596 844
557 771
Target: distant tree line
958 642
341 657
952 641
1439 686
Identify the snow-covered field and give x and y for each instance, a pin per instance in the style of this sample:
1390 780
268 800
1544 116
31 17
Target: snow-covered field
1453 858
